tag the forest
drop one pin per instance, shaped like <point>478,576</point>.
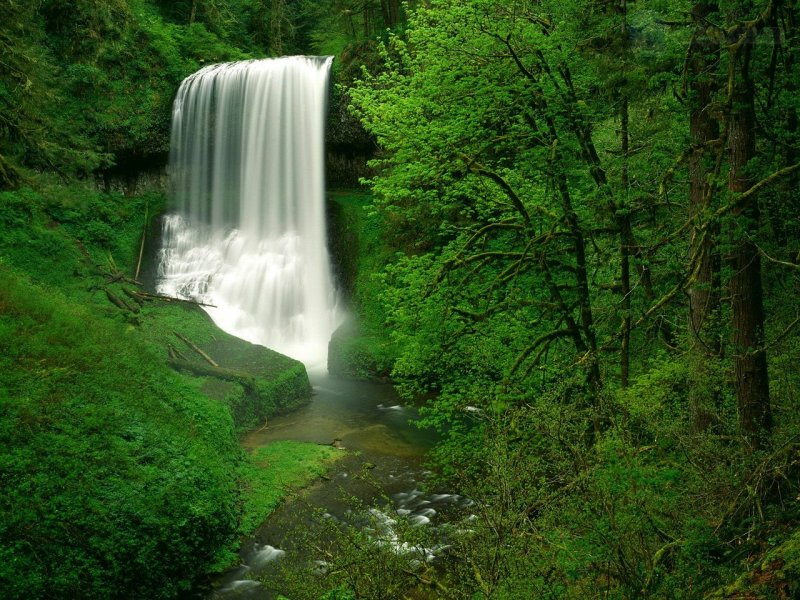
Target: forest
<point>578,249</point>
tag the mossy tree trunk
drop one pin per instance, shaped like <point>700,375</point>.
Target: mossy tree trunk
<point>744,260</point>
<point>703,290</point>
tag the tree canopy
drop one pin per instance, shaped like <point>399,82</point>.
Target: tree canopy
<point>591,199</point>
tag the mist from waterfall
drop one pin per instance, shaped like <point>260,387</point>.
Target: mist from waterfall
<point>248,233</point>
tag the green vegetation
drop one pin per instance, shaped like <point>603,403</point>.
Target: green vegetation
<point>580,244</point>
<point>360,349</point>
<point>108,457</point>
<point>86,86</point>
<point>111,460</point>
<point>275,469</point>
<point>595,211</point>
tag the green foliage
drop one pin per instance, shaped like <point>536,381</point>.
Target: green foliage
<point>503,187</point>
<point>112,461</point>
<point>62,55</point>
<point>354,355</point>
<point>361,348</point>
<point>30,89</point>
<point>533,175</point>
<point>268,382</point>
<point>644,508</point>
<point>87,86</point>
<point>59,234</point>
<point>776,574</point>
<point>272,471</point>
<point>108,458</point>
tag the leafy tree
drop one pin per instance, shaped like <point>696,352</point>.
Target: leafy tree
<point>498,145</point>
<point>567,181</point>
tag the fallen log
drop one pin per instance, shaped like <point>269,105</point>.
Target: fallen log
<point>132,295</point>
<point>245,379</point>
<point>118,276</point>
<point>173,352</point>
<point>148,296</point>
<point>120,303</point>
<point>196,349</point>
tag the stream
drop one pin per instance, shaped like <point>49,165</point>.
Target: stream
<point>371,423</point>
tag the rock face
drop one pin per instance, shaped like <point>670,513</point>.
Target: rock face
<point>355,355</point>
<point>348,146</point>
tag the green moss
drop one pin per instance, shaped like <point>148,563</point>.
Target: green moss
<point>776,575</point>
<point>360,348</point>
<point>278,382</point>
<point>359,356</point>
<point>91,83</point>
<point>274,470</point>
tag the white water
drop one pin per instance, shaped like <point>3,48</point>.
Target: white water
<point>247,180</point>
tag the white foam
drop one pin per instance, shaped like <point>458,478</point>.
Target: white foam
<point>265,554</point>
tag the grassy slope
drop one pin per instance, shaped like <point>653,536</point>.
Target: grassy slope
<point>120,475</point>
<point>108,458</point>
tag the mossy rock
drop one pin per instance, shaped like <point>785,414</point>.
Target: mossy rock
<point>255,382</point>
<point>353,354</point>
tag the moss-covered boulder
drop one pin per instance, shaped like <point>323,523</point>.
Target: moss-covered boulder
<point>352,354</point>
<point>254,382</point>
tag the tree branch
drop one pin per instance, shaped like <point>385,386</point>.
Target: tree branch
<point>479,169</point>
<point>546,338</point>
<point>745,196</point>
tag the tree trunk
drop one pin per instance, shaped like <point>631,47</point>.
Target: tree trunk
<point>703,128</point>
<point>276,28</point>
<point>261,19</point>
<point>386,13</point>
<point>367,11</point>
<point>750,359</point>
<point>392,12</point>
<point>625,239</point>
<point>703,291</point>
<point>581,281</point>
<point>204,370</point>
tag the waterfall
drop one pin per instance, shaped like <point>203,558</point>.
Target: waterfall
<point>247,181</point>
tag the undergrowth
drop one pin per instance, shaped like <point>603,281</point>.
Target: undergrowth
<point>121,477</point>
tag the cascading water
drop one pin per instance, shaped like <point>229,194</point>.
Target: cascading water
<point>247,179</point>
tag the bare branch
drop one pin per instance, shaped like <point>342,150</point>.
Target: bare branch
<point>775,260</point>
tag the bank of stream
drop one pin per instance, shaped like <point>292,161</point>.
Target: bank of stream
<point>383,466</point>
